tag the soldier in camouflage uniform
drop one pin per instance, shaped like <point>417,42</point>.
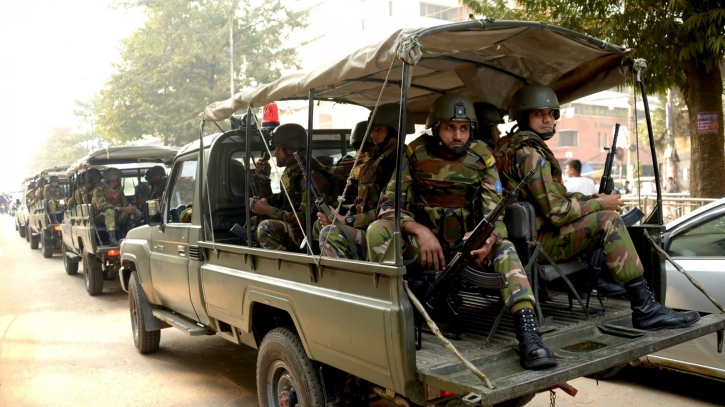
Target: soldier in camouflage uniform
<point>42,182</point>
<point>569,224</point>
<point>449,182</point>
<point>280,230</point>
<point>489,117</point>
<point>53,192</point>
<point>76,199</point>
<point>93,178</point>
<point>111,205</point>
<point>142,195</point>
<point>346,239</point>
<point>156,177</point>
<point>341,170</point>
<point>30,193</point>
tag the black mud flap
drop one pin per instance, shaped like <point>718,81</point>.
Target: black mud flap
<point>579,352</point>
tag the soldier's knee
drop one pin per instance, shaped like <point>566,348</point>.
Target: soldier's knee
<point>380,228</point>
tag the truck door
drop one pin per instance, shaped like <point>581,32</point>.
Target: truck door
<point>170,241</point>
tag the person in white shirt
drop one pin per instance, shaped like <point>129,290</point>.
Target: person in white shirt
<point>577,183</point>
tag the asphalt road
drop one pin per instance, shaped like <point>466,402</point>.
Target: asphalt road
<point>61,347</point>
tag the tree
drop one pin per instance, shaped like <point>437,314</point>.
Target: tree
<point>178,63</point>
<point>683,41</point>
<point>59,147</point>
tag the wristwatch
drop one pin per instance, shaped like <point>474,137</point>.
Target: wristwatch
<point>349,220</point>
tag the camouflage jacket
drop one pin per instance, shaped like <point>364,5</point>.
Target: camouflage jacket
<point>105,197</point>
<point>341,171</point>
<point>374,177</point>
<point>447,196</point>
<point>159,186</point>
<point>293,180</point>
<point>516,155</point>
<point>38,194</point>
<point>30,196</point>
<point>51,192</point>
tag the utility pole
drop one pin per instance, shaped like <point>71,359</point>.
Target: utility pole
<point>671,149</point>
<point>231,48</point>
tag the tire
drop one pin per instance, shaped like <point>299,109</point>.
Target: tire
<point>145,341</point>
<point>71,267</point>
<point>48,246</point>
<point>609,372</point>
<point>517,402</point>
<point>21,230</point>
<point>16,225</point>
<point>281,362</point>
<point>27,232</point>
<point>93,274</point>
<point>34,241</point>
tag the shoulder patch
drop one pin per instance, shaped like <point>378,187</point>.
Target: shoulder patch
<point>498,186</point>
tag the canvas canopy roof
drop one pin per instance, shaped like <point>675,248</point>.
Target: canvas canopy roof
<point>125,154</point>
<point>59,170</point>
<point>487,60</point>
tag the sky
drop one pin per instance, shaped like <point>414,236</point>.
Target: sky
<point>51,53</point>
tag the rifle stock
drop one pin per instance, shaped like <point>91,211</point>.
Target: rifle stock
<point>606,185</point>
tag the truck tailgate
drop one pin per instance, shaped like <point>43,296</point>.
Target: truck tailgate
<point>582,346</point>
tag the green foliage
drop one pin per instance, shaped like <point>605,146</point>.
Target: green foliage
<point>667,33</point>
<point>178,63</point>
<point>59,147</point>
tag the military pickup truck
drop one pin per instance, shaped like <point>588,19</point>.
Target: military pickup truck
<point>42,231</point>
<point>84,237</point>
<point>333,331</point>
<point>21,210</point>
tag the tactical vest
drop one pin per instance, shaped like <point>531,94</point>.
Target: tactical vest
<point>112,196</point>
<point>51,192</point>
<point>448,196</point>
<point>374,177</point>
<point>530,139</point>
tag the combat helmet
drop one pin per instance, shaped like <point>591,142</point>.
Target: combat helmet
<point>487,114</point>
<point>42,182</point>
<point>290,135</point>
<point>112,174</point>
<point>157,169</point>
<point>451,107</point>
<point>144,190</point>
<point>388,115</point>
<point>358,133</point>
<point>533,97</point>
<point>92,173</point>
<point>54,178</point>
<point>31,185</point>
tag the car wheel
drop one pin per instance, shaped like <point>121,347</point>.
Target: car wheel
<point>93,274</point>
<point>285,375</point>
<point>48,245</point>
<point>71,267</point>
<point>21,230</point>
<point>145,341</point>
<point>34,241</point>
<point>27,233</point>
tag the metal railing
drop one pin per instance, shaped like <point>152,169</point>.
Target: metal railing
<point>674,205</point>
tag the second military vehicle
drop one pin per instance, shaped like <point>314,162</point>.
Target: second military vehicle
<point>44,225</point>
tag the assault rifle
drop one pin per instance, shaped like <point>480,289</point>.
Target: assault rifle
<point>241,231</point>
<point>312,186</point>
<point>606,185</point>
<point>459,264</point>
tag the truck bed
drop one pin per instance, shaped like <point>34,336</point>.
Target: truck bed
<point>582,346</point>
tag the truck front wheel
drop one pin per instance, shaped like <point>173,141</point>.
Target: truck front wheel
<point>27,232</point>
<point>48,245</point>
<point>285,375</point>
<point>145,341</point>
<point>71,267</point>
<point>21,230</point>
<point>34,241</point>
<point>93,274</point>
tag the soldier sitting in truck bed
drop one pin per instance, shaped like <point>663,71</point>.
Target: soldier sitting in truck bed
<point>30,193</point>
<point>341,170</point>
<point>93,178</point>
<point>111,205</point>
<point>38,196</point>
<point>53,193</point>
<point>280,230</point>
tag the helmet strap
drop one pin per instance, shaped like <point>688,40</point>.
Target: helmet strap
<point>544,136</point>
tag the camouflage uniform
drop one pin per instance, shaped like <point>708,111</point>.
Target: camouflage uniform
<point>52,195</point>
<point>185,216</point>
<point>341,172</point>
<point>567,223</point>
<point>349,242</point>
<point>159,186</point>
<point>449,197</point>
<point>106,202</point>
<point>30,196</point>
<point>281,230</point>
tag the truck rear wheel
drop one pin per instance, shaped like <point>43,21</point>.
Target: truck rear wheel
<point>21,230</point>
<point>48,245</point>
<point>285,375</point>
<point>71,267</point>
<point>34,241</point>
<point>93,274</point>
<point>27,232</point>
<point>145,341</point>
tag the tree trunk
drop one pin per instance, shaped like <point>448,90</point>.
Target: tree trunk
<point>703,93</point>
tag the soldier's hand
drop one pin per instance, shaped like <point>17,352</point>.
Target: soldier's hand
<point>480,254</point>
<point>263,168</point>
<point>612,202</point>
<point>431,252</point>
<point>261,207</point>
<point>324,220</point>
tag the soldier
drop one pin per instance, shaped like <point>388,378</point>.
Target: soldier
<point>185,216</point>
<point>449,181</point>
<point>111,205</point>
<point>143,194</point>
<point>156,177</point>
<point>571,223</point>
<point>341,170</point>
<point>489,117</point>
<point>347,238</point>
<point>93,178</point>
<point>42,182</point>
<point>53,193</point>
<point>280,230</point>
<point>30,193</point>
<point>76,198</point>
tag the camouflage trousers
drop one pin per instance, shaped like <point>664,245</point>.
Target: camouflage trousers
<point>52,206</point>
<point>111,217</point>
<point>343,242</point>
<point>599,229</point>
<point>280,235</point>
<point>503,256</point>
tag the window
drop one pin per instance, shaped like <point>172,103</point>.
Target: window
<point>182,189</point>
<point>704,239</point>
<point>390,8</point>
<point>599,139</point>
<point>568,138</point>
<point>440,12</point>
<point>606,139</point>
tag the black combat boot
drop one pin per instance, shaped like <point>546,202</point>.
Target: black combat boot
<point>650,315</point>
<point>532,353</point>
<point>606,288</point>
<point>112,238</point>
<point>53,219</point>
